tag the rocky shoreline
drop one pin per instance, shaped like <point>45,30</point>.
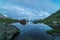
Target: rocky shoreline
<point>8,32</point>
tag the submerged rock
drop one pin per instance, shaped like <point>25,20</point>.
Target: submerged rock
<point>8,32</point>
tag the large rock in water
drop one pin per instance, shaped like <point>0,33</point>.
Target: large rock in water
<point>7,32</point>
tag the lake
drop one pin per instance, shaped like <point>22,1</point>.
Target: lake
<point>33,31</point>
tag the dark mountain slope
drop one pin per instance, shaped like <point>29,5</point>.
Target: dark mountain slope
<point>8,20</point>
<point>53,21</point>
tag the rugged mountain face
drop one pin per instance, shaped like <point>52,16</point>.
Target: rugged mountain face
<point>4,19</point>
<point>7,31</point>
<point>55,16</point>
<point>53,21</point>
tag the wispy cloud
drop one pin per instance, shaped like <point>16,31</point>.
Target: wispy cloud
<point>45,5</point>
<point>33,9</point>
<point>25,12</point>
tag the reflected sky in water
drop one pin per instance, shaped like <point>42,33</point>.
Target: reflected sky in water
<point>35,31</point>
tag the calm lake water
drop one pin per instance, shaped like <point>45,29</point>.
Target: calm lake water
<point>33,31</point>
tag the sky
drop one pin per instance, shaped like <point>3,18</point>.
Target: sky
<point>45,5</point>
<point>30,8</point>
<point>56,1</point>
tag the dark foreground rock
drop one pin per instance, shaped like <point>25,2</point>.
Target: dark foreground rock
<point>8,32</point>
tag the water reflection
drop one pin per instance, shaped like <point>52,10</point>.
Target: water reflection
<point>33,32</point>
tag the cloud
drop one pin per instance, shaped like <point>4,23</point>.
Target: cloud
<point>24,12</point>
<point>45,5</point>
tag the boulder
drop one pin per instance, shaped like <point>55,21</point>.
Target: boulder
<point>8,32</point>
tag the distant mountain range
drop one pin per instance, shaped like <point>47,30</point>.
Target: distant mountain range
<point>53,20</point>
<point>7,20</point>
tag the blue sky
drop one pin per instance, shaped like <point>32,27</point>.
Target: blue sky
<point>30,7</point>
<point>45,5</point>
<point>56,1</point>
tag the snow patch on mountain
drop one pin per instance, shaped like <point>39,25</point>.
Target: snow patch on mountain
<point>5,15</point>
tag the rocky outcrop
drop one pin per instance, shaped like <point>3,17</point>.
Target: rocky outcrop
<point>8,32</point>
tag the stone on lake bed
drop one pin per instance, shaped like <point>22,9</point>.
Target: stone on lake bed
<point>8,32</point>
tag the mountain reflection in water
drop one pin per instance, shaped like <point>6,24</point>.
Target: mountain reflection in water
<point>33,31</point>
